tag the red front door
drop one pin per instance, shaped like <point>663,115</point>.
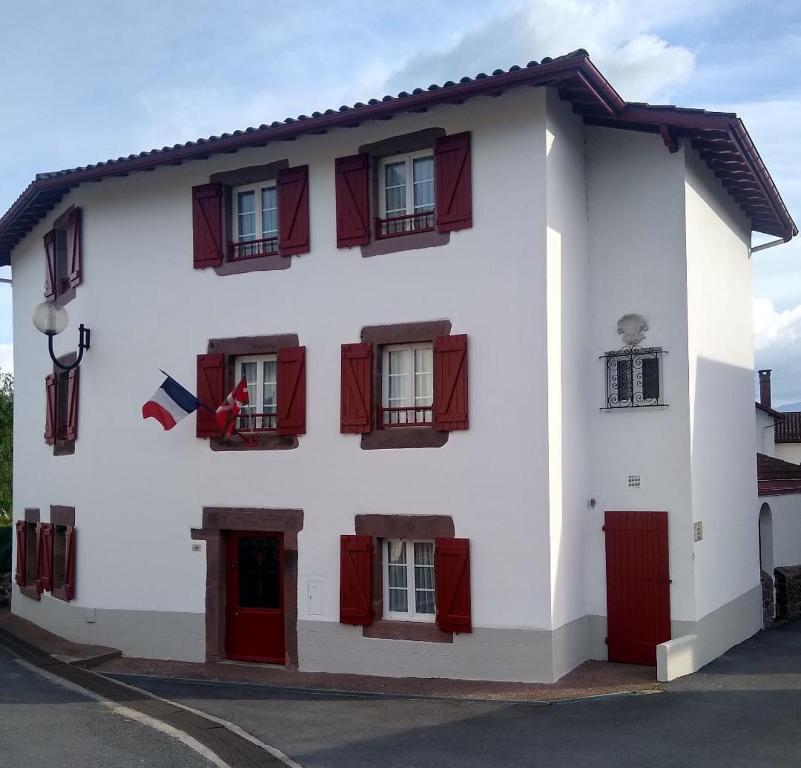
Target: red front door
<point>637,585</point>
<point>255,597</point>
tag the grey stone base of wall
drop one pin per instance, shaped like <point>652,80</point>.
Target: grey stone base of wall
<point>146,634</point>
<point>723,628</point>
<point>516,655</point>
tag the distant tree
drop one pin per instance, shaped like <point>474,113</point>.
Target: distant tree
<point>6,444</point>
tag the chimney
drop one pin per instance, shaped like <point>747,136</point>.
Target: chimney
<point>764,387</point>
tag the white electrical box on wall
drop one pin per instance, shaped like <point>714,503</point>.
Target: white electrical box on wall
<point>314,597</point>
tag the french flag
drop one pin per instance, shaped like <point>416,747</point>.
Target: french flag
<point>170,404</point>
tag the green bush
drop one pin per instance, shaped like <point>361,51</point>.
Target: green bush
<point>5,549</point>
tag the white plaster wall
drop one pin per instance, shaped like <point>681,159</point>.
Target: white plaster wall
<point>569,359</point>
<point>765,430</point>
<point>637,264</point>
<point>786,523</point>
<point>721,390</point>
<point>788,452</point>
<point>138,490</point>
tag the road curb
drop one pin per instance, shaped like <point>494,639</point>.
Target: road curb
<point>223,743</point>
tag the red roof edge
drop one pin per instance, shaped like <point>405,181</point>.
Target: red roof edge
<point>770,411</point>
<point>578,80</point>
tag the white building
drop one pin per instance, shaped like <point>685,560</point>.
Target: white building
<point>430,296</point>
<point>779,483</point>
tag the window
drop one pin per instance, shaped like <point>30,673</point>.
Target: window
<point>255,221</point>
<point>633,378</point>
<point>408,579</point>
<point>61,415</point>
<point>275,370</point>
<point>407,387</point>
<point>244,219</point>
<point>27,553</point>
<point>406,194</point>
<point>61,557</point>
<point>62,246</point>
<point>30,553</point>
<point>404,577</point>
<point>261,411</point>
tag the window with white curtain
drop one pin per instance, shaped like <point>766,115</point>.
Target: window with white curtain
<point>406,189</point>
<point>407,386</point>
<point>260,413</point>
<point>408,579</point>
<point>255,220</point>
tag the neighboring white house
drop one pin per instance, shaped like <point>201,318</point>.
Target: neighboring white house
<point>779,481</point>
<point>497,337</point>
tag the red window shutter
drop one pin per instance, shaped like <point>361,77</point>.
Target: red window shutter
<point>74,247</point>
<point>452,574</point>
<point>50,409</point>
<point>71,421</point>
<point>452,179</point>
<point>356,388</point>
<point>210,391</point>
<point>450,382</point>
<point>293,210</point>
<point>22,549</point>
<point>291,385</point>
<point>44,557</point>
<point>69,564</point>
<point>353,217</point>
<point>207,225</point>
<point>50,265</point>
<point>356,580</point>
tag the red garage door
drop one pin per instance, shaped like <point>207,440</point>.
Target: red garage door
<point>637,585</point>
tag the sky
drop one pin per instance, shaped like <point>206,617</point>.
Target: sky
<point>93,79</point>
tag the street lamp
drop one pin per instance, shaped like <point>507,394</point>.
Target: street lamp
<point>52,320</point>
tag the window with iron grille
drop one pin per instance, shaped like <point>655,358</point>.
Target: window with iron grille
<point>408,575</point>
<point>255,221</point>
<point>634,377</point>
<point>406,194</point>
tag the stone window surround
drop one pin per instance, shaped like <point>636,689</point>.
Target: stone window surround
<point>251,345</point>
<point>32,516</point>
<point>380,527</point>
<point>377,150</point>
<point>218,520</point>
<point>400,333</point>
<point>240,177</point>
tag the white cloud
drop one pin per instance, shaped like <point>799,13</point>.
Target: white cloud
<point>6,358</point>
<point>620,36</point>
<point>772,327</point>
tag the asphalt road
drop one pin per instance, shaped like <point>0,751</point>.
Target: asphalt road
<point>44,725</point>
<point>742,710</point>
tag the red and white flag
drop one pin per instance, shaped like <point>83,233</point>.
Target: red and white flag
<point>226,414</point>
